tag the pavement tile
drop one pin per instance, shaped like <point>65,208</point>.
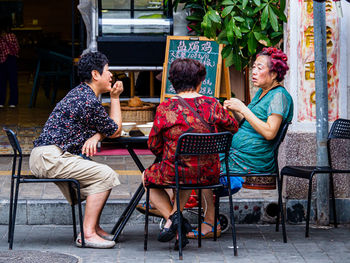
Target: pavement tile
<point>58,239</point>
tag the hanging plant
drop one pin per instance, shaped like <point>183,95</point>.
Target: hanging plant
<point>244,26</point>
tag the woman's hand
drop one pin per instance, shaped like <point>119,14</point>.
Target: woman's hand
<point>267,129</point>
<point>117,89</point>
<point>90,145</point>
<point>235,105</point>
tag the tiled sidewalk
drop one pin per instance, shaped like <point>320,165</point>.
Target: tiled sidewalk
<point>256,244</point>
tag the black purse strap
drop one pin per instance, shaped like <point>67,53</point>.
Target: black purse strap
<point>195,113</point>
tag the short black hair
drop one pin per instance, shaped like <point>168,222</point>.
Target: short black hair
<point>89,62</point>
<point>185,74</point>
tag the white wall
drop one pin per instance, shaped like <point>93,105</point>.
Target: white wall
<point>292,80</point>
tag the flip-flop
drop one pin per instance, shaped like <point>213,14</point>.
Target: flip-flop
<point>210,234</point>
<point>152,211</point>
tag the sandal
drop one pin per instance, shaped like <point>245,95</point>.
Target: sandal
<point>152,211</point>
<point>210,234</point>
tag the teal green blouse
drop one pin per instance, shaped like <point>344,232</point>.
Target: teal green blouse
<point>250,152</point>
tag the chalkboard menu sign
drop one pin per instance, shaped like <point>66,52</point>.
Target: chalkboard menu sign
<point>205,50</point>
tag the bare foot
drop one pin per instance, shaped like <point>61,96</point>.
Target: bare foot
<point>93,237</point>
<point>101,232</point>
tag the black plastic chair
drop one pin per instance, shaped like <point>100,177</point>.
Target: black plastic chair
<point>197,144</point>
<point>19,178</point>
<point>339,130</point>
<point>279,139</point>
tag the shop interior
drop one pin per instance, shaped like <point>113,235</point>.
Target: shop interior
<point>53,33</point>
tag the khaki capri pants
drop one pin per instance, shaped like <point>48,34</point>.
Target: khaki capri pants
<point>51,162</point>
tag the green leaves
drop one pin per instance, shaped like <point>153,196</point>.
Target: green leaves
<point>226,10</point>
<point>244,26</point>
<point>273,19</point>
<point>264,17</point>
<point>252,43</point>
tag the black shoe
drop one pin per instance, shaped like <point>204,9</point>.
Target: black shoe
<point>186,226</point>
<point>167,234</point>
<point>184,242</point>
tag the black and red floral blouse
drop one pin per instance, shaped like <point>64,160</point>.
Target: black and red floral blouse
<point>76,118</point>
<point>172,120</point>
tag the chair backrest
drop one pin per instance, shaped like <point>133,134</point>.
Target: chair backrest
<point>13,141</point>
<point>203,143</point>
<point>280,136</point>
<point>340,129</point>
<point>17,153</point>
<point>278,140</point>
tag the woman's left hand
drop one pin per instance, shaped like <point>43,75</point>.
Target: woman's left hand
<point>234,104</point>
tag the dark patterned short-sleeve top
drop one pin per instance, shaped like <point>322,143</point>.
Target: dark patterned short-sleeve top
<point>76,118</point>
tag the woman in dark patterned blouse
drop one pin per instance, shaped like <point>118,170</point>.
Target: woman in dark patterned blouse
<point>171,121</point>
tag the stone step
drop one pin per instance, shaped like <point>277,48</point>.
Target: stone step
<point>247,211</point>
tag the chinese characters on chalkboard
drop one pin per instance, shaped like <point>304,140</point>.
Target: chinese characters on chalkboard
<point>204,50</point>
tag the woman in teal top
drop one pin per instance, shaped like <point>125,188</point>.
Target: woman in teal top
<point>252,146</point>
<point>251,152</point>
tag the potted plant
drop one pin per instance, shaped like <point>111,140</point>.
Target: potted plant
<point>243,26</point>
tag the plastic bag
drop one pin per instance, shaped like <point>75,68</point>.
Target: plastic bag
<point>236,185</point>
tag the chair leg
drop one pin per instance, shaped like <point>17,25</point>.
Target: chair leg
<point>146,220</point>
<point>14,215</point>
<point>216,216</point>
<point>199,217</point>
<point>10,211</point>
<point>333,200</point>
<point>77,185</point>
<point>74,223</point>
<point>308,207</point>
<point>179,227</point>
<point>281,212</point>
<point>232,219</point>
<point>278,214</point>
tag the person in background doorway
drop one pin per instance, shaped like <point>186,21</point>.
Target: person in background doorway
<point>9,49</point>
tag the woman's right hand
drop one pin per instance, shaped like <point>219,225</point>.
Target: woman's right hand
<point>234,104</point>
<point>117,89</point>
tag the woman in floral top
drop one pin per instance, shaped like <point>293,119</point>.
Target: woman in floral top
<point>75,126</point>
<point>171,121</point>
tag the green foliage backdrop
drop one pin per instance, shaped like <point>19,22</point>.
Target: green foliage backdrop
<point>244,26</point>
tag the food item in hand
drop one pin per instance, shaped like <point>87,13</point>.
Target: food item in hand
<point>135,102</point>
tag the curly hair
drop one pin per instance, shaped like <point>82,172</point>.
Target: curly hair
<point>185,74</point>
<point>89,62</point>
<point>277,61</point>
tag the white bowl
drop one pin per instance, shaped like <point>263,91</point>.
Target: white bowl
<point>145,128</point>
<point>128,126</point>
<point>150,123</point>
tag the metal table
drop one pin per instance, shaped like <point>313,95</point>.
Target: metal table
<point>128,143</point>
